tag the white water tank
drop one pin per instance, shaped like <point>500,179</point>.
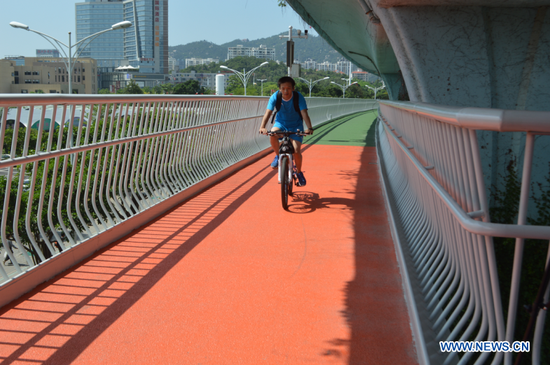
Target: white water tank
<point>220,84</point>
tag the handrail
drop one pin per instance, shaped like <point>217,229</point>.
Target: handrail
<point>466,219</point>
<point>498,120</point>
<point>113,160</point>
<point>432,170</point>
<point>70,150</point>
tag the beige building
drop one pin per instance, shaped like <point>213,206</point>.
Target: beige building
<point>48,75</point>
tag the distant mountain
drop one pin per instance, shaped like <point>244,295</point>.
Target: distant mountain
<point>314,47</point>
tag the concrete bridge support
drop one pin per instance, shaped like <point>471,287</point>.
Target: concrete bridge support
<point>484,53</point>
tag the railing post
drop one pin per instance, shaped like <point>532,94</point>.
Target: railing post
<point>518,252</point>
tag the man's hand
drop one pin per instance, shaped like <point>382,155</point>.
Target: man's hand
<point>309,131</point>
<point>263,131</point>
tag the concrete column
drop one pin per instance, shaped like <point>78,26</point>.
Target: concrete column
<point>481,56</point>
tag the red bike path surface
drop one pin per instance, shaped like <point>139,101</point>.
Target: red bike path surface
<point>229,277</point>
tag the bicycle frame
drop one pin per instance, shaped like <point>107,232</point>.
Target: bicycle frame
<point>286,166</point>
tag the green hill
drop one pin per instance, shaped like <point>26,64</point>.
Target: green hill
<point>200,49</point>
<point>314,47</point>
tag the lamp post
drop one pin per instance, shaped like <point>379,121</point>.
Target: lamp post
<point>348,81</point>
<point>262,83</point>
<point>343,87</point>
<point>311,83</point>
<point>290,47</point>
<point>69,58</point>
<point>375,89</point>
<point>244,76</point>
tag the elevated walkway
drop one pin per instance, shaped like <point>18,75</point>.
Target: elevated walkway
<point>229,277</point>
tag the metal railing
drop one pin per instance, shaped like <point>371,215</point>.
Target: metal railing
<point>432,171</point>
<point>73,167</point>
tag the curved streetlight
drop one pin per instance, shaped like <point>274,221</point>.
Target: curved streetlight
<point>311,83</point>
<point>375,89</point>
<point>244,76</point>
<point>69,58</point>
<point>343,87</point>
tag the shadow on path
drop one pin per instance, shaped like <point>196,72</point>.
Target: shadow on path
<point>375,305</point>
<point>58,320</point>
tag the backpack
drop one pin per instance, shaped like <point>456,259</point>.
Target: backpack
<point>279,101</point>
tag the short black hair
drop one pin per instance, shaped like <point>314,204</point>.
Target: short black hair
<point>284,80</point>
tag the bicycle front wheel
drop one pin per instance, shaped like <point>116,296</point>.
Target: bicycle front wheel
<point>284,181</point>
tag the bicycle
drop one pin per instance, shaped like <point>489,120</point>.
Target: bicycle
<point>287,169</point>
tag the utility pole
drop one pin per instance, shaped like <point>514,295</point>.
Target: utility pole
<point>290,47</point>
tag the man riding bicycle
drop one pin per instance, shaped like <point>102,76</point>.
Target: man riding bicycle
<point>289,117</point>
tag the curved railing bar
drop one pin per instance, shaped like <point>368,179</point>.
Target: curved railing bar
<point>498,120</point>
<point>465,220</point>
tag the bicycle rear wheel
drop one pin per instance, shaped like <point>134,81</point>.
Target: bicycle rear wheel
<point>284,181</point>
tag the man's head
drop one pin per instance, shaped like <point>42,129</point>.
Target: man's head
<point>286,86</point>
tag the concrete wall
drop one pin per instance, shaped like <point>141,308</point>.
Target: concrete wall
<point>492,57</point>
<point>486,53</point>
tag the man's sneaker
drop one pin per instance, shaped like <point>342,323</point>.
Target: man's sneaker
<point>275,162</point>
<point>301,179</point>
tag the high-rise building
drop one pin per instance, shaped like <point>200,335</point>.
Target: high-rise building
<point>146,43</point>
<point>143,45</point>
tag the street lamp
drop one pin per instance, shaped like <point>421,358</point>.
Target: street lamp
<point>344,87</point>
<point>375,89</point>
<point>262,83</point>
<point>70,58</point>
<point>244,76</point>
<point>311,83</point>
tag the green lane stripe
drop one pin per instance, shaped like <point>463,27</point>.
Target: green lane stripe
<point>352,130</point>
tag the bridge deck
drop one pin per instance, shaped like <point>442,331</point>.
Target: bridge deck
<point>231,278</point>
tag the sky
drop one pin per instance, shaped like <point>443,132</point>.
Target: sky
<point>217,21</point>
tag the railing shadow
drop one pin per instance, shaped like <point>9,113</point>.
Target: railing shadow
<point>375,309</point>
<point>61,318</point>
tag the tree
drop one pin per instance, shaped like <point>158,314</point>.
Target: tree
<point>189,87</point>
<point>235,86</point>
<point>157,90</point>
<point>167,88</point>
<point>302,87</point>
<point>273,71</point>
<point>355,92</point>
<point>132,88</point>
<point>104,91</point>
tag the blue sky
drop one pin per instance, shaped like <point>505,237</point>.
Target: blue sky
<point>217,21</point>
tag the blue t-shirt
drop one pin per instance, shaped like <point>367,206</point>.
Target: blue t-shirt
<point>287,116</point>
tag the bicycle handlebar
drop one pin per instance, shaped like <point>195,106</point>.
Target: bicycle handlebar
<point>286,133</point>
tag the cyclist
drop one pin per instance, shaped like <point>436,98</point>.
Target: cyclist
<point>288,119</point>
